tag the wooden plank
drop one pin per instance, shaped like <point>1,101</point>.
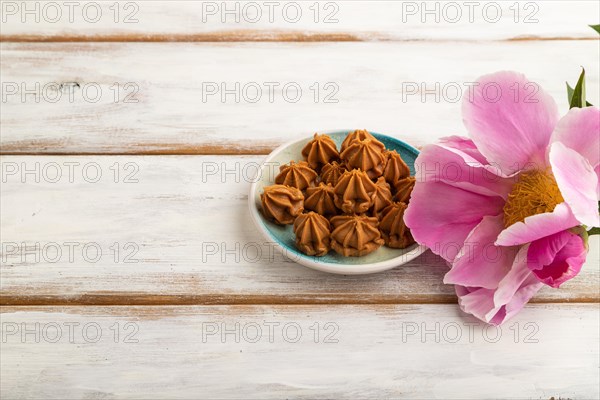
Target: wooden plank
<point>403,351</point>
<point>296,21</point>
<point>176,230</point>
<point>379,86</point>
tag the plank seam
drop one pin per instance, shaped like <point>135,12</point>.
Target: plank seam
<point>262,36</point>
<point>167,300</point>
<point>225,152</point>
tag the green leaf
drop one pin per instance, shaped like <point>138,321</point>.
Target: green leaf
<point>596,28</point>
<point>578,95</point>
<point>570,91</point>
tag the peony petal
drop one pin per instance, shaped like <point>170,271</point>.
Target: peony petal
<point>511,283</point>
<point>480,263</point>
<point>457,162</point>
<point>556,259</point>
<point>580,130</point>
<point>465,145</point>
<point>466,148</point>
<point>578,183</point>
<point>597,171</point>
<point>538,226</point>
<point>513,292</point>
<point>510,119</point>
<point>529,287</point>
<point>441,216</point>
<point>478,302</point>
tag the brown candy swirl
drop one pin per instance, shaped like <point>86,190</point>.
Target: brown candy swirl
<point>320,151</point>
<point>298,175</point>
<point>366,155</point>
<point>355,235</point>
<point>404,189</point>
<point>382,196</point>
<point>354,192</point>
<point>320,199</point>
<point>360,134</point>
<point>282,204</point>
<point>312,234</point>
<point>395,168</point>
<point>394,231</point>
<point>331,173</point>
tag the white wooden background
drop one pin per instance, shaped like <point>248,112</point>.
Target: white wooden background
<point>157,319</point>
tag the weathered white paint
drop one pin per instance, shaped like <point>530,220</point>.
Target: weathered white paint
<point>173,210</point>
<point>374,81</point>
<point>362,20</point>
<point>188,215</point>
<point>555,354</point>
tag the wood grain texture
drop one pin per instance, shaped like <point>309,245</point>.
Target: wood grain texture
<point>181,234</point>
<point>179,254</point>
<point>171,117</point>
<point>403,351</point>
<point>298,21</point>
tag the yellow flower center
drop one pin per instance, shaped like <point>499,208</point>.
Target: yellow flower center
<point>535,192</point>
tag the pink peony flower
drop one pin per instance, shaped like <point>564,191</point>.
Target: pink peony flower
<point>503,207</point>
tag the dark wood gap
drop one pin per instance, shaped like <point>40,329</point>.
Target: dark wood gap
<point>216,299</point>
<point>174,152</point>
<point>222,36</point>
<point>189,300</point>
<point>251,36</point>
<point>144,149</point>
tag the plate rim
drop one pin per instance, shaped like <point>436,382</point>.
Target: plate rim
<point>340,269</point>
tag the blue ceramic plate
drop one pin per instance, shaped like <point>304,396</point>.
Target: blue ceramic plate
<point>283,236</point>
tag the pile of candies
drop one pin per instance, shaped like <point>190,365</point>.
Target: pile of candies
<point>351,201</point>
